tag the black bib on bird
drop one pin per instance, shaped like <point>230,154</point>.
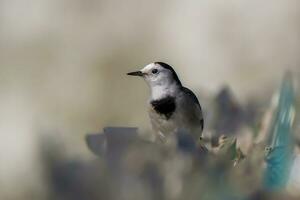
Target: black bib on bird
<point>165,106</point>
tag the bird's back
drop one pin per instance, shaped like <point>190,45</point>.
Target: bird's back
<point>191,110</point>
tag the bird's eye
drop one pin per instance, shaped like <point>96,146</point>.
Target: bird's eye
<point>154,71</point>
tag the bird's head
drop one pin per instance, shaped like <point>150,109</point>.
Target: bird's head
<point>158,74</point>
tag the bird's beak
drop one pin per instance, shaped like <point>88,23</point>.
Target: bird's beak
<point>137,73</point>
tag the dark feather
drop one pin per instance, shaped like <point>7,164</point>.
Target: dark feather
<point>191,94</point>
<point>195,99</point>
<point>165,106</point>
<point>166,66</point>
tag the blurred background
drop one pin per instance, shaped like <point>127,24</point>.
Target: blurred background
<point>63,66</point>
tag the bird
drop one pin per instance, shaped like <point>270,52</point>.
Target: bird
<point>171,107</point>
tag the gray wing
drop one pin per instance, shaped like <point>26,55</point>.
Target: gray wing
<point>192,95</point>
<point>193,99</point>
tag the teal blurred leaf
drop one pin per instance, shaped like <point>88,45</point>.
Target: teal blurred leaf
<point>279,153</point>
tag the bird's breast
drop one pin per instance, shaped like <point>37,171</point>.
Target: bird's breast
<point>161,123</point>
<point>165,106</point>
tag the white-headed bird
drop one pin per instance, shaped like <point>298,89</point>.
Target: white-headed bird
<point>172,107</point>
